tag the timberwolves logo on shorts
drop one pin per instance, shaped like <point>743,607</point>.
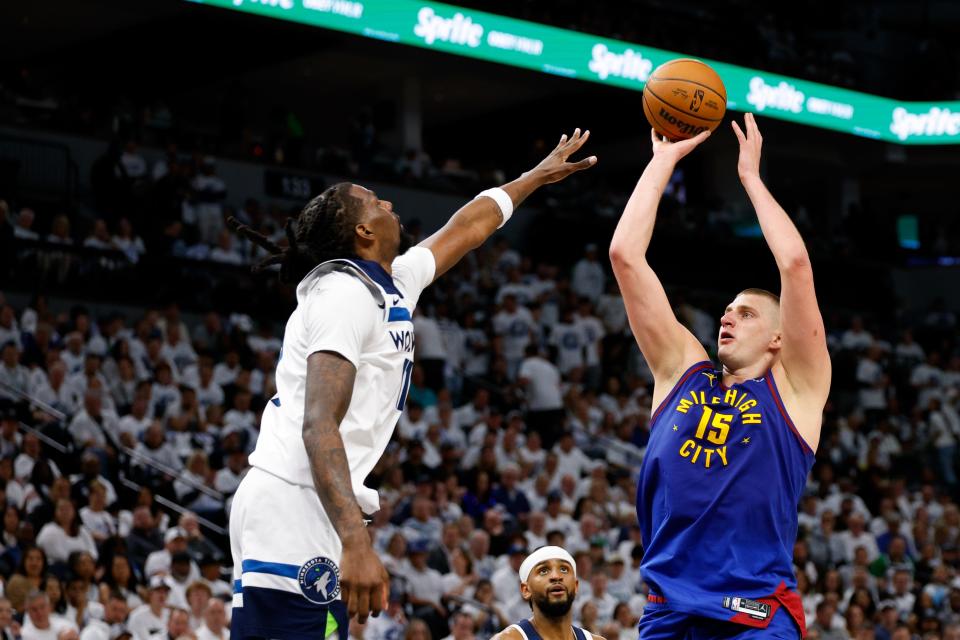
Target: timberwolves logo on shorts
<point>320,580</point>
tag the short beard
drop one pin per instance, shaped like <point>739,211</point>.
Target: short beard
<point>406,241</point>
<point>553,609</point>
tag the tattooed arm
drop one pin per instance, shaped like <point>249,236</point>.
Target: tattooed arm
<point>363,580</point>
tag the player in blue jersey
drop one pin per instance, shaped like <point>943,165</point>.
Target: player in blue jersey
<point>548,582</point>
<point>730,444</point>
<point>303,561</point>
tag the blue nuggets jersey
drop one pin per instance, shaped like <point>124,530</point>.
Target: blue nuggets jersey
<point>717,500</point>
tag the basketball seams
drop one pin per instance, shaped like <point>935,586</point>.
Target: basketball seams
<point>683,111</point>
<point>687,80</point>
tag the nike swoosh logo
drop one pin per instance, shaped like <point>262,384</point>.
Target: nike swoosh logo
<point>396,302</point>
<point>382,305</point>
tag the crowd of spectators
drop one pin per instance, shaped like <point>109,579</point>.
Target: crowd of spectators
<point>526,423</point>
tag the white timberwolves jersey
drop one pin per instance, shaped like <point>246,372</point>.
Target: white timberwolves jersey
<point>353,308</point>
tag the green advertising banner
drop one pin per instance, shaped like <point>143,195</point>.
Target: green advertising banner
<point>519,43</point>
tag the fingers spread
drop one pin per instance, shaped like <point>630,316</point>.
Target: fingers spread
<point>577,141</point>
<point>738,132</point>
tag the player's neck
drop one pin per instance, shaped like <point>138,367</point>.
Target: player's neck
<point>732,376</point>
<point>553,628</point>
<point>373,255</point>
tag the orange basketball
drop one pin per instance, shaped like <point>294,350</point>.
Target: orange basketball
<point>684,97</point>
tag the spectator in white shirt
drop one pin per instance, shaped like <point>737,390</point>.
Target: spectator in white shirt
<point>601,597</point>
<point>225,251</point>
<point>588,276</point>
<point>127,241</point>
<point>165,391</point>
<point>556,519</point>
<point>208,391</point>
<point>12,373</point>
<point>101,524</point>
<point>570,458</point>
<point>134,424</point>
<point>424,585</point>
<point>155,447</point>
<point>210,191</point>
<point>132,162</point>
<point>926,378</point>
<point>514,324</point>
<point>177,349</point>
<point>228,479</point>
<point>23,230</point>
<point>462,626</point>
<point>41,624</point>
<point>515,287</point>
<point>431,350</point>
<point>90,427</point>
<point>198,594</point>
<point>242,418</point>
<point>226,371</point>
<point>908,352</point>
<point>31,453</point>
<point>81,609</point>
<point>214,625</point>
<point>856,338</point>
<point>541,381</point>
<point>114,616</point>
<point>64,534</point>
<point>151,617</point>
<point>856,536</point>
<point>99,237</point>
<point>570,340</point>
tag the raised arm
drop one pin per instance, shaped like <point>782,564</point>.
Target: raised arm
<point>667,346</point>
<point>803,354</point>
<point>474,222</point>
<point>363,579</point>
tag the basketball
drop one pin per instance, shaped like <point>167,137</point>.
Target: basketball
<point>684,97</point>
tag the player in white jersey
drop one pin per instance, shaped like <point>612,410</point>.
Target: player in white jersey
<point>300,551</point>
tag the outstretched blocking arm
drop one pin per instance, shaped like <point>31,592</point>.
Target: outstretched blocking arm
<point>666,344</point>
<point>329,387</point>
<point>804,353</point>
<point>476,221</point>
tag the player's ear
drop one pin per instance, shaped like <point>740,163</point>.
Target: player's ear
<point>364,231</point>
<point>525,591</point>
<point>776,342</point>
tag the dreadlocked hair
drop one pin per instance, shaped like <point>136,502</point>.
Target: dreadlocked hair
<point>322,231</point>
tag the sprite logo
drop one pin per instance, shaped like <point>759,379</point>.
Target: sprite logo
<point>782,97</point>
<point>630,64</point>
<point>459,29</point>
<point>935,122</point>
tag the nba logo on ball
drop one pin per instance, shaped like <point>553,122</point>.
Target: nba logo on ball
<point>319,580</point>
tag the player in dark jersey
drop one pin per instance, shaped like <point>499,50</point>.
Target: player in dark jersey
<point>548,582</point>
<point>730,445</point>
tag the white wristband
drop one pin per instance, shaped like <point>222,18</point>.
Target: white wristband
<point>503,201</point>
